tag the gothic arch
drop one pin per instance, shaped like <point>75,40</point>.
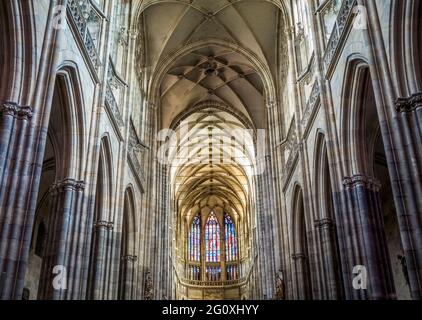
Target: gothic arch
<point>321,180</point>
<point>66,124</point>
<point>105,179</point>
<point>300,256</point>
<point>128,247</point>
<point>352,118</point>
<point>63,151</point>
<point>102,225</point>
<point>68,75</point>
<point>214,104</point>
<point>326,233</point>
<point>260,67</point>
<point>17,28</point>
<point>368,176</point>
<point>129,225</point>
<point>406,46</point>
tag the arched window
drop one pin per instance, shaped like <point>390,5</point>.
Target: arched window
<point>195,239</point>
<point>205,259</point>
<point>212,239</point>
<point>231,239</point>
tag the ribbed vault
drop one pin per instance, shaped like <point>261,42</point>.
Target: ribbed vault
<point>212,162</point>
<point>217,69</point>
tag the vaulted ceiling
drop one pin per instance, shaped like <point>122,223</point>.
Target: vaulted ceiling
<point>216,72</point>
<point>212,71</point>
<point>210,166</point>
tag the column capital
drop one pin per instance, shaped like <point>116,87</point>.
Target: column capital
<point>363,181</point>
<point>102,224</point>
<point>299,256</point>
<point>271,104</point>
<point>12,109</point>
<point>133,33</point>
<point>324,223</point>
<point>129,258</point>
<point>67,184</point>
<point>409,104</point>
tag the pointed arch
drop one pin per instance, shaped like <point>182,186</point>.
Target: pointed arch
<point>126,287</point>
<point>59,187</point>
<point>102,223</point>
<point>194,241</point>
<point>17,27</point>
<point>129,227</point>
<point>357,78</point>
<point>105,179</point>
<point>212,239</point>
<point>230,238</point>
<point>70,83</point>
<point>327,243</point>
<point>406,46</point>
<point>300,254</point>
<point>322,180</point>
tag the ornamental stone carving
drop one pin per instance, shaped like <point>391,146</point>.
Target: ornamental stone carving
<point>409,104</point>
<point>280,287</point>
<point>324,223</point>
<point>67,184</point>
<point>149,290</point>
<point>130,258</point>
<point>362,181</point>
<point>14,110</point>
<point>102,224</point>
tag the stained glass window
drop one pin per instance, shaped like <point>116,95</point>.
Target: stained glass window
<point>204,242</point>
<point>195,239</point>
<point>212,239</point>
<point>213,273</point>
<point>232,272</point>
<point>231,239</point>
<point>194,273</point>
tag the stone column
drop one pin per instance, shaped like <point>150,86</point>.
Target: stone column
<point>300,261</point>
<point>128,262</point>
<point>66,196</point>
<point>271,214</point>
<point>22,144</point>
<point>409,119</point>
<point>98,266</point>
<point>223,251</point>
<point>13,119</point>
<point>368,227</point>
<point>331,264</point>
<point>400,125</point>
<point>14,125</point>
<point>261,237</point>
